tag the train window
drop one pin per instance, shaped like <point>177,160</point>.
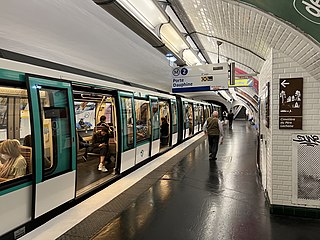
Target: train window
<point>56,129</point>
<point>85,115</point>
<point>15,159</point>
<point>127,117</point>
<point>190,117</point>
<point>143,128</point>
<point>174,120</point>
<point>196,114</point>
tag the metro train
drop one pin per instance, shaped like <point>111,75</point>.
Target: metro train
<point>53,108</point>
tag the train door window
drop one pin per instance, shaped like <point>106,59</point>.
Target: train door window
<point>15,129</point>
<point>143,126</point>
<point>106,108</point>
<point>127,117</point>
<point>155,119</point>
<point>174,120</point>
<point>190,116</point>
<point>196,115</point>
<point>202,118</point>
<point>186,115</point>
<point>56,130</point>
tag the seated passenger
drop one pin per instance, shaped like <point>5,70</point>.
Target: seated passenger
<point>27,141</point>
<point>100,145</point>
<point>13,164</point>
<point>164,131</point>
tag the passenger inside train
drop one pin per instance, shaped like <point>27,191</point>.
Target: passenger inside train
<point>102,122</point>
<point>164,131</point>
<point>13,164</point>
<point>100,145</point>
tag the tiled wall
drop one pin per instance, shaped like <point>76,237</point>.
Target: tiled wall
<point>285,67</point>
<point>265,143</point>
<point>279,158</point>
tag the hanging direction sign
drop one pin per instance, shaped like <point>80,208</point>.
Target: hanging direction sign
<point>290,103</point>
<point>200,78</point>
<point>247,82</point>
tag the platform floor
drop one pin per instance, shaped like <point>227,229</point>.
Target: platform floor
<point>195,198</point>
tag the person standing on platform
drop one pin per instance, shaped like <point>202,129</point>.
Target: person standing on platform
<point>214,130</point>
<point>230,118</point>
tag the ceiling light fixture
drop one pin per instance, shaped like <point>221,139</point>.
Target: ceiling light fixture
<point>157,21</point>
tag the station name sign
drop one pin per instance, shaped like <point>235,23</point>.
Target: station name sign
<point>207,77</point>
<point>290,103</point>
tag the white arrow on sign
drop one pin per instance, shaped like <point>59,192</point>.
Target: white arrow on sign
<point>284,83</point>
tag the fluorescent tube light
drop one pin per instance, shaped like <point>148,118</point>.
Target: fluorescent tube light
<point>190,57</point>
<point>146,12</point>
<point>172,38</point>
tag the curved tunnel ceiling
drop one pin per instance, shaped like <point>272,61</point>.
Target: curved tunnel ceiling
<point>249,29</point>
<point>248,34</point>
<point>82,35</point>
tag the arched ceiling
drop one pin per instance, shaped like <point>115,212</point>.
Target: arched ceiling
<point>82,35</point>
<point>249,33</point>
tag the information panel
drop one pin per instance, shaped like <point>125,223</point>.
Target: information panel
<point>290,103</point>
<point>200,78</point>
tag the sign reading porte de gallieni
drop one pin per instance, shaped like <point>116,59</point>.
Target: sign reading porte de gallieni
<point>200,78</point>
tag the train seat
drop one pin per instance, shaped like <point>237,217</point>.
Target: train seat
<point>26,152</point>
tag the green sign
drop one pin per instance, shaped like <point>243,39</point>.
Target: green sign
<point>304,14</point>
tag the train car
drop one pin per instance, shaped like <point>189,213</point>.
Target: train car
<point>193,115</point>
<point>49,111</point>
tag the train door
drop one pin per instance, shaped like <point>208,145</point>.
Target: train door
<point>54,133</point>
<point>143,129</point>
<point>15,188</point>
<point>90,108</point>
<point>155,123</point>
<point>128,133</point>
<point>174,122</point>
<point>165,133</point>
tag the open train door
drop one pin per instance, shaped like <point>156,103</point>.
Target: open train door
<point>54,140</point>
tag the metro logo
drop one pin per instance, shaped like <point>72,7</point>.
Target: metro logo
<point>309,9</point>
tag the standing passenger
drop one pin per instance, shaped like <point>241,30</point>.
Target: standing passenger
<point>214,130</point>
<point>102,122</point>
<point>230,118</point>
<point>164,131</point>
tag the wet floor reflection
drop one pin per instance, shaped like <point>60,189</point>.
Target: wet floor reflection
<point>208,200</point>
